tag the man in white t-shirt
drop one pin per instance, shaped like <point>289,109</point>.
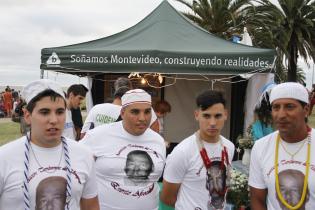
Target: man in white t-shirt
<point>129,157</point>
<point>282,168</point>
<point>75,95</point>
<point>197,172</point>
<point>104,113</point>
<point>44,170</point>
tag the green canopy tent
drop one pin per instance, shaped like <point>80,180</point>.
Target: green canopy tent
<point>164,42</point>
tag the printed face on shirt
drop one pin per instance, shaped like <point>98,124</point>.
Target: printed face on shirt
<point>51,194</point>
<point>47,121</point>
<point>211,121</point>
<point>291,188</point>
<point>289,116</point>
<point>215,184</point>
<point>136,118</point>
<point>75,101</point>
<point>138,167</point>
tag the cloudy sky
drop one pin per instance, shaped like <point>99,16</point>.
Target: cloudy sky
<point>27,26</point>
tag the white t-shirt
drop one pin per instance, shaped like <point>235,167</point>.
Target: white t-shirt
<point>127,183</point>
<point>69,130</point>
<point>44,167</point>
<point>262,170</point>
<point>154,117</point>
<point>101,114</point>
<point>184,166</point>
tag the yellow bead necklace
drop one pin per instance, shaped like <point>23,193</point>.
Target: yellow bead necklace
<point>283,201</point>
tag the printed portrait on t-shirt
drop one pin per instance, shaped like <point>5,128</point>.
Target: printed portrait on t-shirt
<point>291,187</point>
<point>51,193</point>
<point>138,168</point>
<point>216,185</point>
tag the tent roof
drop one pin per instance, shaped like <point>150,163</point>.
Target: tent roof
<point>166,42</point>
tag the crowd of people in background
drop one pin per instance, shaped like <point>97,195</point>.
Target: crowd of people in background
<point>9,99</point>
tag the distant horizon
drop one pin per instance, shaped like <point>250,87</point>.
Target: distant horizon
<point>65,80</point>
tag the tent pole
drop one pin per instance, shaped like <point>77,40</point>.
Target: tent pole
<point>313,74</point>
<point>42,74</point>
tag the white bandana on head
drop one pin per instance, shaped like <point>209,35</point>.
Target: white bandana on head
<point>135,96</point>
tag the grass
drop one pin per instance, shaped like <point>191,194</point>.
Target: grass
<point>9,131</point>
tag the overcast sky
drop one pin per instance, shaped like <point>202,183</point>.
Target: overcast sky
<point>27,26</point>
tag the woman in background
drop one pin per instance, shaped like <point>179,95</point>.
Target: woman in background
<point>262,125</point>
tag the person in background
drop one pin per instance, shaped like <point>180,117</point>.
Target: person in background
<point>45,153</point>
<point>104,113</point>
<point>24,126</point>
<point>262,125</point>
<point>77,118</point>
<point>281,174</point>
<point>122,82</point>
<point>8,101</point>
<point>75,95</point>
<point>19,116</point>
<point>161,109</point>
<point>15,94</point>
<point>312,99</point>
<point>127,180</point>
<point>197,172</point>
<point>77,121</point>
<point>2,109</point>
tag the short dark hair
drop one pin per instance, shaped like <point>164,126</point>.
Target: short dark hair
<point>122,82</point>
<point>77,89</point>
<point>162,107</point>
<point>208,98</point>
<point>121,91</point>
<point>48,92</point>
<point>263,111</point>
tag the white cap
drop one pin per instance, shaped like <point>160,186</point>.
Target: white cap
<point>291,90</point>
<point>135,96</point>
<point>34,88</point>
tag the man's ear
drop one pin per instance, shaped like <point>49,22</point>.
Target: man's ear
<point>197,114</point>
<point>27,116</point>
<point>307,110</point>
<point>70,95</point>
<point>225,114</point>
<point>122,111</point>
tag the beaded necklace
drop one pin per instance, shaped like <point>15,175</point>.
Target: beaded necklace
<point>283,201</point>
<point>208,163</point>
<point>27,149</point>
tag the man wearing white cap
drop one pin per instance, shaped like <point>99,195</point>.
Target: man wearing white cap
<point>44,154</point>
<point>282,169</point>
<point>129,156</point>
